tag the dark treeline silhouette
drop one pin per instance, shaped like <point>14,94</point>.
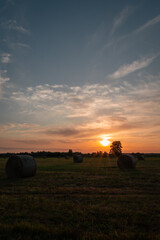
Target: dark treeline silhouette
<point>48,154</point>
<point>70,153</point>
<point>42,154</point>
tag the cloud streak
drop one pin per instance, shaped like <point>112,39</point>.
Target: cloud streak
<point>120,18</point>
<point>130,68</point>
<point>149,23</point>
<point>22,45</point>
<point>13,25</point>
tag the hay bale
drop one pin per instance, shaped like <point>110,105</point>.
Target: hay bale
<point>126,161</point>
<point>78,158</point>
<point>140,156</point>
<point>19,166</point>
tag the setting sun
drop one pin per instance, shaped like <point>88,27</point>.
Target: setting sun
<point>105,142</point>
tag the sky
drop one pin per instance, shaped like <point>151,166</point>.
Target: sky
<point>73,72</point>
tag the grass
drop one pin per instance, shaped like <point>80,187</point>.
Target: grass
<point>89,200</point>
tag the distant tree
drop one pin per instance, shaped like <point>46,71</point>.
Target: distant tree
<point>116,148</point>
<point>99,154</point>
<point>70,153</point>
<point>105,154</point>
<point>93,154</point>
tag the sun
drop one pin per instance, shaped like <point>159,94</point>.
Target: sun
<point>105,142</point>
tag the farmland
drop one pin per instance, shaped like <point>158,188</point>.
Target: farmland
<point>89,200</point>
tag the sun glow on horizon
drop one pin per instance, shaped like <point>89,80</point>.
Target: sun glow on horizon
<point>105,142</point>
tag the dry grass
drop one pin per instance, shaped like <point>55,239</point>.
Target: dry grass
<point>90,200</point>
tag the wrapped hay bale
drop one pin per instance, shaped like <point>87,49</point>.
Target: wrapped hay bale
<point>126,161</point>
<point>78,158</point>
<point>19,166</point>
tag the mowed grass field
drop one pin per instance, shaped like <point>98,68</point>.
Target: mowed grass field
<point>89,200</point>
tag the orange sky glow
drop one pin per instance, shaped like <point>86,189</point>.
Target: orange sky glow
<point>87,72</point>
<point>20,138</point>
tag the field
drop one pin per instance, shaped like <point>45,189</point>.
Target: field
<point>89,200</point>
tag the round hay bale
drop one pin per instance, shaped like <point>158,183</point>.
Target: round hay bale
<point>126,161</point>
<point>78,158</point>
<point>140,156</point>
<point>19,166</point>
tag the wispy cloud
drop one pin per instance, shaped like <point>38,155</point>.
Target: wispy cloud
<point>75,115</point>
<point>149,23</point>
<point>15,45</point>
<point>121,18</point>
<point>3,80</point>
<point>18,127</point>
<point>83,104</point>
<point>130,68</point>
<point>13,25</point>
<point>22,45</point>
<point>5,58</point>
<point>63,132</point>
<point>83,132</point>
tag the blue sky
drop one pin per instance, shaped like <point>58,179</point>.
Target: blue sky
<point>73,72</point>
